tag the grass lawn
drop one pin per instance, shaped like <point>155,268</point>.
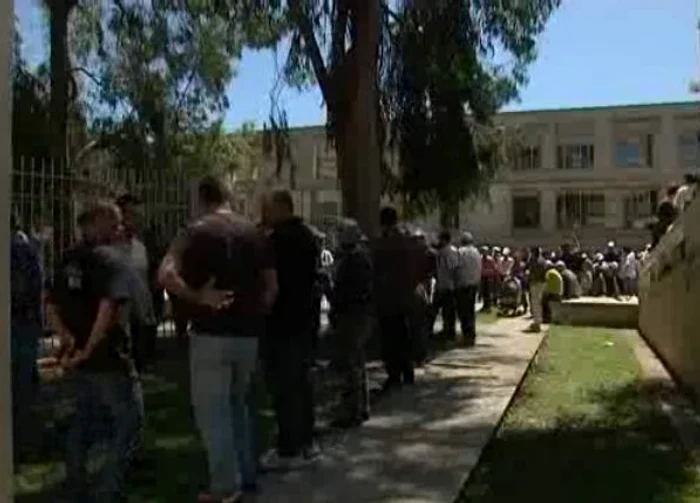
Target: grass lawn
<point>174,467</point>
<point>584,428</point>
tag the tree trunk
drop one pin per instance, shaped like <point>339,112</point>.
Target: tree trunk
<point>62,214</point>
<point>358,149</point>
<point>449,216</point>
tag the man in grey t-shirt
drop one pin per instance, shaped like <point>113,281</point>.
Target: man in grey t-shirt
<point>144,326</point>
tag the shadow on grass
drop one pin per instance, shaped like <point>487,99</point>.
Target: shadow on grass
<point>628,452</point>
<point>173,465</point>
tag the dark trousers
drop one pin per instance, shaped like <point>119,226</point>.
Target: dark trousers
<point>288,368</point>
<point>466,305</point>
<point>397,347</point>
<point>487,292</point>
<point>420,332</point>
<point>143,344</point>
<point>444,301</point>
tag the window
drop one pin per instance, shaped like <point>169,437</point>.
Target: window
<point>689,150</point>
<point>575,156</point>
<point>580,209</point>
<point>526,212</point>
<point>326,164</point>
<point>528,159</point>
<point>329,209</point>
<point>635,152</point>
<point>640,207</point>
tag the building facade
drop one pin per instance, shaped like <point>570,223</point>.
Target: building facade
<point>593,173</point>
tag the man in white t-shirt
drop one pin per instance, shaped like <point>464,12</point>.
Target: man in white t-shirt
<point>468,279</point>
<point>628,272</point>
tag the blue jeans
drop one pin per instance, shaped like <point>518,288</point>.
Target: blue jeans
<point>222,371</point>
<point>25,351</point>
<point>108,404</point>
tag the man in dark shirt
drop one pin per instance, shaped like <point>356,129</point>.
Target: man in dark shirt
<point>352,306</point>
<point>288,356</point>
<point>666,213</point>
<point>25,305</point>
<point>222,268</point>
<point>89,309</point>
<point>394,293</point>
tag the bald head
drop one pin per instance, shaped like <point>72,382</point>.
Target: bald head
<point>102,223</point>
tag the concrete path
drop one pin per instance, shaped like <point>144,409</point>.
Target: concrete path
<point>421,443</point>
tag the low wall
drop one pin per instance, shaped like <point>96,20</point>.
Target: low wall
<point>669,299</point>
<point>596,312</point>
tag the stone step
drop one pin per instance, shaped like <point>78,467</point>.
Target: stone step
<point>597,312</point>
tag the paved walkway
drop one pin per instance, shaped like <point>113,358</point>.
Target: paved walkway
<point>421,443</point>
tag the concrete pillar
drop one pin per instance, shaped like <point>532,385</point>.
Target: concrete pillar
<point>604,144</point>
<point>6,471</point>
<point>614,209</point>
<point>548,209</point>
<point>549,147</point>
<point>666,146</point>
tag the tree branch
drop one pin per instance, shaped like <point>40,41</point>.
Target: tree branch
<point>88,74</point>
<point>312,49</point>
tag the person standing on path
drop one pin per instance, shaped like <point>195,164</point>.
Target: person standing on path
<point>89,304</point>
<point>445,274</point>
<point>354,281</point>
<point>536,269</point>
<point>222,267</point>
<point>394,293</point>
<point>468,279</point>
<point>289,346</point>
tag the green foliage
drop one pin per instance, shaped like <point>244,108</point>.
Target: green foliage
<point>30,106</point>
<point>446,68</point>
<point>155,71</point>
<point>444,84</point>
<point>218,152</point>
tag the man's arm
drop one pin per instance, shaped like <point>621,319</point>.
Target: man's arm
<point>268,273</point>
<point>170,277</point>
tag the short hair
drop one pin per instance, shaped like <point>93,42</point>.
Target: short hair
<point>212,190</point>
<point>445,236</point>
<point>283,198</point>
<point>388,216</point>
<point>690,178</point>
<point>97,210</point>
<point>671,190</point>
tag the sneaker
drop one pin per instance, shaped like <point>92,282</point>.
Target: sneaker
<point>534,328</point>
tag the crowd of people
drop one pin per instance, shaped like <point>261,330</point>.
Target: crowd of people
<point>249,295</point>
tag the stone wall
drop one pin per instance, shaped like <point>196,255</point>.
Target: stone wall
<point>669,311</point>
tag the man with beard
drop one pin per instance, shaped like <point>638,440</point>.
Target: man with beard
<point>89,303</point>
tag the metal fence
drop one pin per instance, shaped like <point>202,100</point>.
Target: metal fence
<point>47,199</point>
